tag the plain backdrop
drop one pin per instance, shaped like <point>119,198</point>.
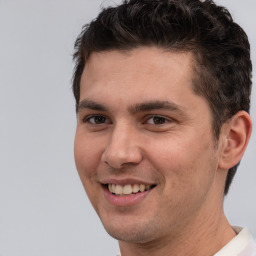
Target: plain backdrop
<point>43,208</point>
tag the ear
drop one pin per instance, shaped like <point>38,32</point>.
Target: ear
<point>235,135</point>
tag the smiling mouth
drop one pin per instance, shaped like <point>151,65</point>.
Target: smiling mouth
<point>128,189</point>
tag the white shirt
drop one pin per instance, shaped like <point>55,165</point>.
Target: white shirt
<point>241,245</point>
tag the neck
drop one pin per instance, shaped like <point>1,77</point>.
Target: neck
<point>203,237</point>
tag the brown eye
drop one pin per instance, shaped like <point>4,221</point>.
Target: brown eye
<point>96,119</point>
<point>157,120</point>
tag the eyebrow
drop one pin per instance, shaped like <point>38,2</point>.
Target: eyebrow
<point>140,107</point>
<point>90,104</point>
<point>154,105</point>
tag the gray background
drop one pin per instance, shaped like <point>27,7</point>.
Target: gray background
<point>43,208</point>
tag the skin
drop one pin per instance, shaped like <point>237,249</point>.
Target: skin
<point>168,143</point>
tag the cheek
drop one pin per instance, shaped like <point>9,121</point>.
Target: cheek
<point>184,164</point>
<point>188,175</point>
<point>87,158</point>
<point>87,155</point>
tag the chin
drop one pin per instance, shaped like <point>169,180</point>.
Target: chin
<point>136,232</point>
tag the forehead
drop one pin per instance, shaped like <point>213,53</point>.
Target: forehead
<point>146,58</point>
<point>149,70</point>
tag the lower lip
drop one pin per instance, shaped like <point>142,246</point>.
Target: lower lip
<point>126,200</point>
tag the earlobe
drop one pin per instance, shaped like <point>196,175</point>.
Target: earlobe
<point>235,137</point>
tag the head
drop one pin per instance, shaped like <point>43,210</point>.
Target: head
<point>162,91</point>
<point>220,49</point>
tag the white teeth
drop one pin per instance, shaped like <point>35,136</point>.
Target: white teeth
<point>135,188</point>
<point>142,187</point>
<point>127,189</point>
<point>118,190</point>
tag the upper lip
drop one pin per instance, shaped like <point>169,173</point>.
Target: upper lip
<point>126,181</point>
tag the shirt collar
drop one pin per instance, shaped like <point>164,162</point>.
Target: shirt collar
<point>237,244</point>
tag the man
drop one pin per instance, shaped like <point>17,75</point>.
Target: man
<point>162,93</point>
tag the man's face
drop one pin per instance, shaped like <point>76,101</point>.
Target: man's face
<point>144,147</point>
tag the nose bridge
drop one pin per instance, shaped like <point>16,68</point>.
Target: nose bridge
<point>122,147</point>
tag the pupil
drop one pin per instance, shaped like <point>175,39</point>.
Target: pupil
<point>159,120</point>
<point>99,119</point>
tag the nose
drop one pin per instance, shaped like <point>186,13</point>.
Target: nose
<point>122,148</point>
